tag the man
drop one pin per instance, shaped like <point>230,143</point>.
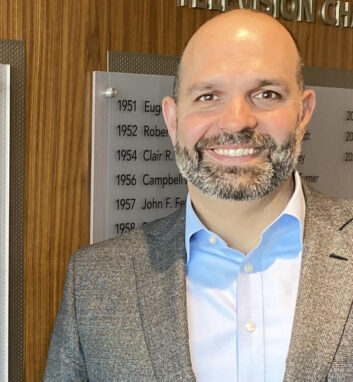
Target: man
<point>253,282</point>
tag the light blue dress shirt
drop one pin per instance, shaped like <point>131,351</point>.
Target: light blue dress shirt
<point>241,308</point>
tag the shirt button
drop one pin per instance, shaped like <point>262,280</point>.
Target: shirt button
<point>250,327</point>
<point>248,268</point>
<point>212,240</point>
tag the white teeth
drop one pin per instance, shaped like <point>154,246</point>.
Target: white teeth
<point>235,152</point>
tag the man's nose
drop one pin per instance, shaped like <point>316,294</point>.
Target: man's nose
<point>237,114</point>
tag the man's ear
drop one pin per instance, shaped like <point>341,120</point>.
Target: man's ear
<point>169,114</point>
<point>307,109</point>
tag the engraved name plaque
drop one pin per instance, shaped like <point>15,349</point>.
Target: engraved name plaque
<point>134,177</point>
<point>326,161</point>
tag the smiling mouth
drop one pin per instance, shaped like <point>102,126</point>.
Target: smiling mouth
<point>236,152</point>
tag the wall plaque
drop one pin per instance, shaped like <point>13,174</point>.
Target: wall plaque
<point>134,177</point>
<point>326,161</point>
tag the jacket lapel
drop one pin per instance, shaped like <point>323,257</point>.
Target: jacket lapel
<point>160,279</point>
<point>325,288</point>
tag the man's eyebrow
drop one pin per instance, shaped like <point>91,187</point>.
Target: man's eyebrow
<point>212,85</point>
<point>201,87</point>
<point>282,84</point>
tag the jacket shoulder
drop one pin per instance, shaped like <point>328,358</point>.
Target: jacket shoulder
<point>332,216</point>
<point>111,249</point>
<point>326,202</point>
<point>136,242</point>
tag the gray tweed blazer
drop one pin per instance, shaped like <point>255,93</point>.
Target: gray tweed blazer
<point>123,314</point>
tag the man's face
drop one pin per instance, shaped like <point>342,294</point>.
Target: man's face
<point>239,122</point>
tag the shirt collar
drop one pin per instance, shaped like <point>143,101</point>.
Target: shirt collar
<point>296,204</point>
<point>295,207</point>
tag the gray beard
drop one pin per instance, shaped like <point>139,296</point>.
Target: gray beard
<point>239,182</point>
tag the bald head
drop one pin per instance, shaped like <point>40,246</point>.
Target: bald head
<point>235,29</point>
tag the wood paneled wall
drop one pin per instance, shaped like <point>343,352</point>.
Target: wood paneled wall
<point>65,41</point>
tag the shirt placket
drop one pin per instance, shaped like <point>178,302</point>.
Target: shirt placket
<point>250,323</point>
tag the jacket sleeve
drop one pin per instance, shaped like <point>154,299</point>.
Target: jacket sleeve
<point>65,359</point>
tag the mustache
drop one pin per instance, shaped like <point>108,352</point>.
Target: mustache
<point>245,136</point>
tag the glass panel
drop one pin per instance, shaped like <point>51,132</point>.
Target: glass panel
<point>326,161</point>
<point>134,172</point>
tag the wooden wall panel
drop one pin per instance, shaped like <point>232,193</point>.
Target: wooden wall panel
<point>65,41</point>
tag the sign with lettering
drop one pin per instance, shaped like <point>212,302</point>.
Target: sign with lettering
<point>326,161</point>
<point>134,177</point>
<point>332,12</point>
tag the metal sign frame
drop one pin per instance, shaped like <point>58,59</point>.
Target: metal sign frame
<point>12,52</point>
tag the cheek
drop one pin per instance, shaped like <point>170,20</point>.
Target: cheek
<point>192,128</point>
<point>280,125</point>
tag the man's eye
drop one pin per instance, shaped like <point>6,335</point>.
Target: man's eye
<point>267,95</point>
<point>207,98</point>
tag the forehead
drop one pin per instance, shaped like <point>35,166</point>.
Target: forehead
<point>246,48</point>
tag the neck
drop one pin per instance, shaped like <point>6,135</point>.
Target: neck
<point>240,223</point>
